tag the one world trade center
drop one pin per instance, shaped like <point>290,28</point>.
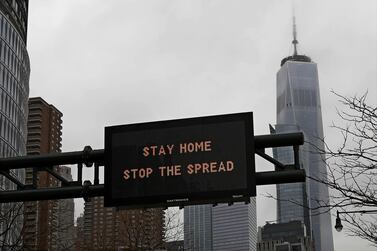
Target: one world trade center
<point>299,109</point>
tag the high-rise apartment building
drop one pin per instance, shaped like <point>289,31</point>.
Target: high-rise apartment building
<point>79,233</point>
<point>222,227</point>
<point>44,128</point>
<point>66,216</point>
<point>14,93</point>
<point>44,136</point>
<point>112,229</point>
<point>101,226</point>
<point>299,108</point>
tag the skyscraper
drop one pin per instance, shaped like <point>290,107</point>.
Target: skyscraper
<point>66,218</point>
<point>14,77</point>
<point>79,233</point>
<point>220,228</point>
<point>14,93</point>
<point>107,228</point>
<point>298,192</point>
<point>198,228</point>
<point>44,136</point>
<point>235,227</point>
<point>299,108</point>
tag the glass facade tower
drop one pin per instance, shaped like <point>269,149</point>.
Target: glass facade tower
<point>14,78</point>
<point>235,227</point>
<point>221,228</point>
<point>198,228</point>
<point>14,92</point>
<point>299,108</point>
<point>293,192</point>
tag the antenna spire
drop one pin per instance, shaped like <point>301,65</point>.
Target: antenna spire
<point>295,57</point>
<point>294,41</point>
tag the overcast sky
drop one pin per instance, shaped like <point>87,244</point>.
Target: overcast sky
<point>117,62</point>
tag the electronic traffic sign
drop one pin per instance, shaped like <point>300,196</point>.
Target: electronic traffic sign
<point>180,162</point>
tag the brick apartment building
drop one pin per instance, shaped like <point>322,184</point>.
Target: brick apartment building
<point>102,228</point>
<point>41,219</point>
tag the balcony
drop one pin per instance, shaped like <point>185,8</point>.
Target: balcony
<point>33,152</point>
<point>35,120</point>
<point>34,132</point>
<point>31,127</point>
<point>34,139</point>
<point>33,145</point>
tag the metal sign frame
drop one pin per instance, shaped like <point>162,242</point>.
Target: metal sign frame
<point>172,129</point>
<point>86,189</point>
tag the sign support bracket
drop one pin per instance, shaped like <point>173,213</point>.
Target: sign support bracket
<point>87,189</point>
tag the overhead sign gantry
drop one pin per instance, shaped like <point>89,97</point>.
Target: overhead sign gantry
<point>167,163</point>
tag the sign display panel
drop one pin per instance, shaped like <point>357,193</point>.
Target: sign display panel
<point>180,162</point>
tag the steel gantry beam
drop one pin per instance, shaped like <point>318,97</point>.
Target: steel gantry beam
<point>89,157</point>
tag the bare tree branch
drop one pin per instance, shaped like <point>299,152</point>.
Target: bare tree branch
<point>351,167</point>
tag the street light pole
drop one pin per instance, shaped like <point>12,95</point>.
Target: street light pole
<point>338,222</point>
